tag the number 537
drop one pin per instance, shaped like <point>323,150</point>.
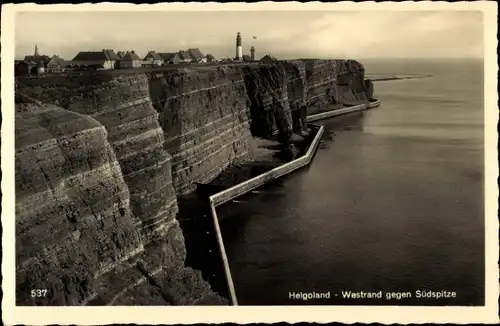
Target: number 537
<point>37,293</point>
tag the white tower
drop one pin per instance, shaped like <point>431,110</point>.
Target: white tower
<point>239,47</point>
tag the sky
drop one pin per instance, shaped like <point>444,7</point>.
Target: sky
<point>285,35</point>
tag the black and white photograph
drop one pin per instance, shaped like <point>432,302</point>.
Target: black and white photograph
<point>334,156</point>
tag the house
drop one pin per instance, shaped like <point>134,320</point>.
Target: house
<point>170,58</point>
<point>130,60</point>
<point>105,59</point>
<point>121,54</point>
<point>196,55</point>
<point>185,57</point>
<point>25,68</point>
<point>153,59</point>
<point>247,58</point>
<point>210,58</point>
<point>56,64</point>
<point>38,59</point>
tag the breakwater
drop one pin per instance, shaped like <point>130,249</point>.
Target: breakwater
<point>102,159</point>
<point>399,77</point>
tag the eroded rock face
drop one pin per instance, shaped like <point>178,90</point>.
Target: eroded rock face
<point>126,151</point>
<point>282,94</point>
<point>297,94</point>
<point>267,89</point>
<point>73,220</point>
<point>123,107</point>
<point>101,159</point>
<point>205,122</point>
<point>369,88</point>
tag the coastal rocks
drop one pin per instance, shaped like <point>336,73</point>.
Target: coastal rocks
<point>322,92</point>
<point>76,234</point>
<point>334,83</point>
<point>297,86</point>
<point>267,90</point>
<point>155,277</point>
<point>205,122</point>
<point>282,94</point>
<point>351,77</point>
<point>290,152</point>
<point>122,105</point>
<point>368,88</point>
<point>73,219</point>
<point>101,159</point>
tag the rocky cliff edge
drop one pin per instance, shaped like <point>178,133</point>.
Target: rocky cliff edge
<point>101,159</point>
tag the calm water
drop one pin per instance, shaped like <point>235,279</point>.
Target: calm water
<point>393,201</point>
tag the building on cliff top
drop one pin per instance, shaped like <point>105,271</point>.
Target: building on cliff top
<point>170,58</point>
<point>184,56</point>
<point>121,54</point>
<point>105,59</point>
<point>130,60</point>
<point>197,55</point>
<point>56,64</point>
<point>153,59</point>
<point>24,68</point>
<point>37,58</point>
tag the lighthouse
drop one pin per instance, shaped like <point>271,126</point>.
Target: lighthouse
<point>239,47</point>
<point>252,53</point>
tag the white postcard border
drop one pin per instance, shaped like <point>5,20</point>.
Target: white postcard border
<point>187,315</point>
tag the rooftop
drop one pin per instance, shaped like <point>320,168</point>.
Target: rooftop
<point>131,56</point>
<point>184,55</point>
<point>153,55</point>
<point>104,55</point>
<point>168,56</point>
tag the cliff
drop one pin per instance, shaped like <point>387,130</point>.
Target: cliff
<point>101,160</point>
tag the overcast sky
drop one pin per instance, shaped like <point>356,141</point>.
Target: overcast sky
<point>360,34</point>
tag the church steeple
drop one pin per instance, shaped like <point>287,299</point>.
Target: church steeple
<point>36,51</point>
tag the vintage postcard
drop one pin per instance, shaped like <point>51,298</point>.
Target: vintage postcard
<point>249,162</point>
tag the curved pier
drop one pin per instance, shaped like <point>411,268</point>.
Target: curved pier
<point>249,185</point>
<point>374,102</point>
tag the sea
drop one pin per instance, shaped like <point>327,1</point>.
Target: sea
<point>391,209</point>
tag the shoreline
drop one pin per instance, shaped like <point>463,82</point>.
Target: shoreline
<point>201,122</point>
<point>200,233</point>
<point>195,216</point>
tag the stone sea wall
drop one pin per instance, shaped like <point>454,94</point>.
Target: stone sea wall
<point>102,158</point>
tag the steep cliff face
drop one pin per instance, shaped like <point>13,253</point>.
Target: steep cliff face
<point>298,86</point>
<point>122,107</point>
<point>335,82</point>
<point>282,94</point>
<point>73,220</point>
<point>205,121</point>
<point>267,87</point>
<point>101,159</point>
